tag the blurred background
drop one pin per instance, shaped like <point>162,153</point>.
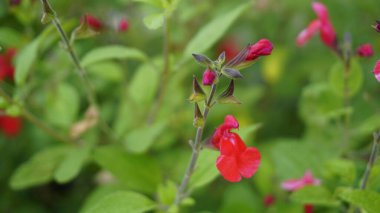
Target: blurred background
<point>288,110</point>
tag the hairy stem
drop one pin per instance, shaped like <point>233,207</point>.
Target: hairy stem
<point>165,74</point>
<point>196,149</point>
<point>372,159</point>
<point>33,119</point>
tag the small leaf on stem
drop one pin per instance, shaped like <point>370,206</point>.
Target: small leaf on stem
<point>198,117</point>
<point>198,93</point>
<point>227,96</point>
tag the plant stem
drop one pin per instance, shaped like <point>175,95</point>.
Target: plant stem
<point>165,74</point>
<point>33,119</point>
<point>372,159</point>
<point>346,104</point>
<point>90,94</point>
<point>196,149</point>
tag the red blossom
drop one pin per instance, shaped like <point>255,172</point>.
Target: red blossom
<point>376,71</point>
<point>308,208</point>
<point>326,30</point>
<point>208,77</point>
<point>123,25</point>
<point>10,126</point>
<point>296,184</point>
<point>235,160</point>
<point>365,50</point>
<point>93,22</point>
<point>230,47</point>
<point>6,66</point>
<point>269,200</point>
<point>261,48</point>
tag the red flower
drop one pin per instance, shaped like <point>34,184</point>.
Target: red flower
<point>364,50</point>
<point>10,126</point>
<point>93,22</point>
<point>261,48</point>
<point>269,200</point>
<point>376,71</point>
<point>230,47</point>
<point>326,30</point>
<point>377,26</point>
<point>123,25</point>
<point>6,66</point>
<point>208,77</point>
<point>296,184</point>
<point>308,208</point>
<point>235,160</point>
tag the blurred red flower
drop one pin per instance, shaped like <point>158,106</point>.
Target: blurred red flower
<point>208,77</point>
<point>296,184</point>
<point>376,71</point>
<point>365,50</point>
<point>235,160</point>
<point>10,126</point>
<point>93,22</point>
<point>6,67</point>
<point>123,25</point>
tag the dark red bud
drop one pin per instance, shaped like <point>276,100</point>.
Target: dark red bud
<point>365,50</point>
<point>208,77</point>
<point>123,25</point>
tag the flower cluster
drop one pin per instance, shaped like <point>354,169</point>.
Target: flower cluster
<point>6,67</point>
<point>236,160</point>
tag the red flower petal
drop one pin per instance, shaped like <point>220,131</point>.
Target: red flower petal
<point>327,34</point>
<point>227,167</point>
<point>249,162</point>
<point>321,11</point>
<point>306,34</point>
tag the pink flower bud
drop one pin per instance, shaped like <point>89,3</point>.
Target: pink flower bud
<point>93,22</point>
<point>376,71</point>
<point>123,25</point>
<point>208,77</point>
<point>261,48</point>
<point>296,184</point>
<point>364,50</point>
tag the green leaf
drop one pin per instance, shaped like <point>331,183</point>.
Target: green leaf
<point>145,79</point>
<point>108,71</point>
<point>355,78</point>
<point>98,194</point>
<point>112,52</point>
<point>241,198</point>
<point>340,171</point>
<point>166,192</point>
<point>246,131</point>
<point>10,37</point>
<point>205,170</point>
<point>156,3</point>
<point>139,140</point>
<point>316,195</point>
<point>154,21</point>
<point>39,169</point>
<point>123,201</point>
<point>62,105</point>
<point>212,32</point>
<point>24,61</point>
<point>367,200</point>
<point>138,172</point>
<point>71,165</point>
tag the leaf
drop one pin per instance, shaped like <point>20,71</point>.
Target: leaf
<point>112,52</point>
<point>139,140</point>
<point>203,60</point>
<point>355,78</point>
<point>24,61</point>
<point>154,21</point>
<point>98,194</point>
<point>166,192</point>
<point>10,37</point>
<point>138,172</point>
<point>341,171</point>
<point>212,32</point>
<point>108,71</point>
<point>231,73</point>
<point>123,201</point>
<point>367,200</point>
<point>145,79</point>
<point>62,105</point>
<point>205,170</point>
<point>156,3</point>
<point>245,132</point>
<point>39,169</point>
<point>316,195</point>
<point>71,165</point>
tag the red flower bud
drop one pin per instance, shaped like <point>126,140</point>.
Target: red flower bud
<point>235,160</point>
<point>208,77</point>
<point>123,25</point>
<point>269,200</point>
<point>365,50</point>
<point>93,22</point>
<point>11,126</point>
<point>376,71</point>
<point>6,66</point>
<point>377,26</point>
<point>261,48</point>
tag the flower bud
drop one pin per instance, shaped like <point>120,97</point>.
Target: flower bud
<point>93,22</point>
<point>376,71</point>
<point>208,77</point>
<point>364,50</point>
<point>377,26</point>
<point>123,25</point>
<point>261,48</point>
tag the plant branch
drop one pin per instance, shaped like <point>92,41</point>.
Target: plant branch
<point>346,104</point>
<point>372,159</point>
<point>33,119</point>
<point>196,149</point>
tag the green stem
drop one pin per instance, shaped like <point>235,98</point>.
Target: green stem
<point>346,105</point>
<point>372,159</point>
<point>165,74</point>
<point>33,119</point>
<point>196,149</point>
